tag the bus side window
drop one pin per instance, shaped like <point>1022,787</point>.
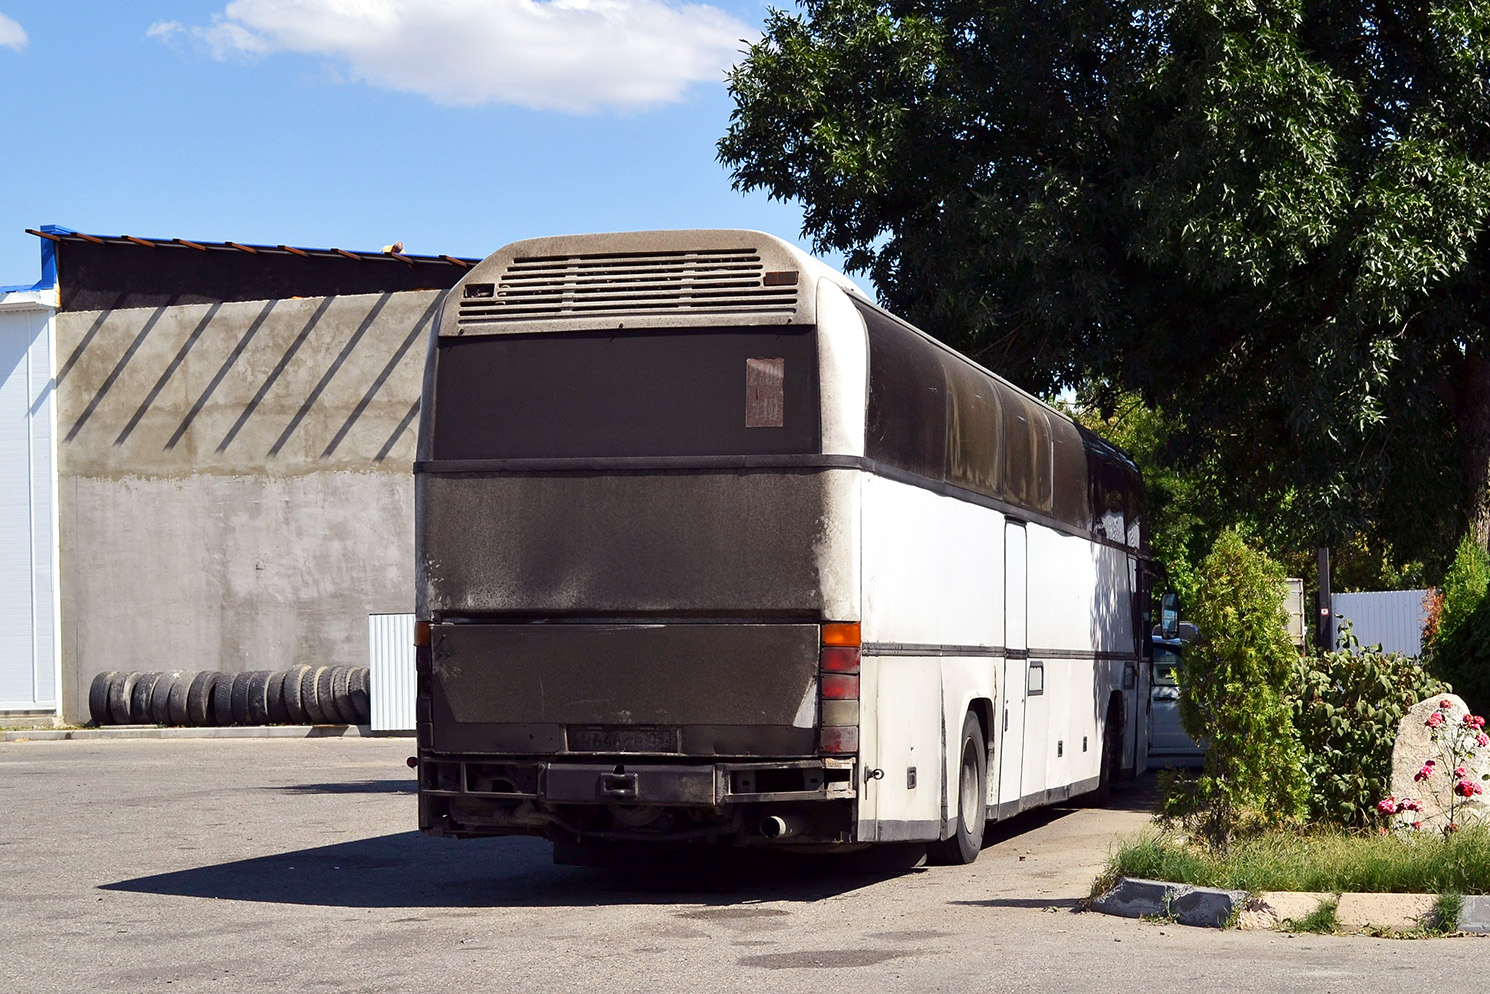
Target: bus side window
<point>907,417</point>
<point>974,429</point>
<point>1026,453</point>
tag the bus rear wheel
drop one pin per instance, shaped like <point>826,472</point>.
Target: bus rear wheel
<point>972,800</point>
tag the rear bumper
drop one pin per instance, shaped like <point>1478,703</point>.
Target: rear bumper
<point>621,799</point>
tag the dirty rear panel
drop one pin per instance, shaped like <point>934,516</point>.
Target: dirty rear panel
<point>674,689</point>
<point>704,544</point>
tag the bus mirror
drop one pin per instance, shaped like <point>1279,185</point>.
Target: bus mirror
<point>1169,614</point>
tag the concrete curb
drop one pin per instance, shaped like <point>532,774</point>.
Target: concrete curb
<point>233,732</point>
<point>1206,907</point>
<point>1474,917</point>
<point>1213,908</point>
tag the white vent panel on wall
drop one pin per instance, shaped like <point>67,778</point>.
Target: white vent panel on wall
<point>390,640</point>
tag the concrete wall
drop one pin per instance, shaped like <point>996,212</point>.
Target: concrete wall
<point>234,481</point>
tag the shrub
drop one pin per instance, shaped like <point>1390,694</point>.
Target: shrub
<point>1232,697</point>
<point>1347,706</point>
<point>1459,650</point>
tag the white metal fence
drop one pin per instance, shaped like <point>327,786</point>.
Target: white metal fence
<point>390,640</point>
<point>1393,618</point>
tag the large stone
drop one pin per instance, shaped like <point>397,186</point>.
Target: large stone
<point>1418,743</point>
<point>1206,907</point>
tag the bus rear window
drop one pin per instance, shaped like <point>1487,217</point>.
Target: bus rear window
<point>718,391</point>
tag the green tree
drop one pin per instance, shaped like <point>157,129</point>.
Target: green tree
<point>1458,643</point>
<point>1232,697</point>
<point>1266,218</point>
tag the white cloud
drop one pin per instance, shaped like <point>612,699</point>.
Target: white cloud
<point>165,30</point>
<point>12,35</point>
<point>569,55</point>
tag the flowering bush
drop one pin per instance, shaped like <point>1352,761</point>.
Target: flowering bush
<point>1347,706</point>
<point>1458,741</point>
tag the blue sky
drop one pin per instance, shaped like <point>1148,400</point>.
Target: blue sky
<point>454,126</point>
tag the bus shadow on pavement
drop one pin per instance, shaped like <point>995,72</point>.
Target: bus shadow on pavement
<point>410,870</point>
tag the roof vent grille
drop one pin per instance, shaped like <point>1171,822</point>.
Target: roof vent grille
<point>621,284</point>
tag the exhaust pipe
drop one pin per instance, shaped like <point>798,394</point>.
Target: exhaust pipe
<point>784,826</point>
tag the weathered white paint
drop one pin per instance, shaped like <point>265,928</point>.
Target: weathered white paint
<point>390,657</point>
<point>1393,618</point>
<point>931,567</point>
<point>29,660</point>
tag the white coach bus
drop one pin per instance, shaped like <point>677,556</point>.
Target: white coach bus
<point>710,547</point>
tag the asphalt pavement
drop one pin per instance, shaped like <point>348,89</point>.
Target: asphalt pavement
<point>294,865</point>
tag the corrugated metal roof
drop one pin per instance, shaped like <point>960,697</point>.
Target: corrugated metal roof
<point>57,234</point>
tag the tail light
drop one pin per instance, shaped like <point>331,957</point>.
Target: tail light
<point>838,684</point>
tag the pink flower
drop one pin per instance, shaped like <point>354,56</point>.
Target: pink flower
<point>1481,739</point>
<point>1408,804</point>
<point>1387,805</point>
<point>1460,772</point>
<point>1474,721</point>
<point>1467,788</point>
<point>1435,719</point>
<point>1424,773</point>
<point>1446,704</point>
<point>1417,824</point>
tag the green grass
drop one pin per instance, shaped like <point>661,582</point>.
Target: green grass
<point>1326,862</point>
<point>1322,919</point>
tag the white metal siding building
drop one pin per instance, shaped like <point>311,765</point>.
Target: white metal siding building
<point>30,661</point>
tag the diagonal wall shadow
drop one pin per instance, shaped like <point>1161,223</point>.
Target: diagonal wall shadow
<point>117,371</point>
<point>227,364</point>
<point>397,433</point>
<point>414,335</point>
<point>170,371</point>
<point>410,870</point>
<point>325,380</point>
<point>274,374</point>
<point>87,339</point>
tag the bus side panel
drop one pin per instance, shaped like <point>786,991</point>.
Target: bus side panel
<point>907,798</point>
<point>933,568</point>
<point>932,582</point>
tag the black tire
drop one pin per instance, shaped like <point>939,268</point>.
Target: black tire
<point>340,700</point>
<point>199,698</point>
<point>238,698</point>
<point>325,675</point>
<point>121,695</point>
<point>294,704</point>
<point>222,700</point>
<point>160,698</point>
<point>1112,754</point>
<point>176,700</point>
<point>139,699</point>
<point>278,713</point>
<point>310,696</point>
<point>359,693</point>
<point>972,800</point>
<point>98,697</point>
<point>256,704</point>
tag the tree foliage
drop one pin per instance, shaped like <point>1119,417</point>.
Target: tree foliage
<point>1266,218</point>
<point>1233,690</point>
<point>1458,644</point>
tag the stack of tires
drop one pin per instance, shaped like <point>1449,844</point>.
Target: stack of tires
<point>302,695</point>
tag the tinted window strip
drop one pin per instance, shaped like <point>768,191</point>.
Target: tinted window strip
<point>807,461</point>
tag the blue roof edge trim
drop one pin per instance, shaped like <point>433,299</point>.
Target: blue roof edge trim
<point>48,261</point>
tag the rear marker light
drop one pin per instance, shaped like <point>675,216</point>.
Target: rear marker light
<point>841,633</point>
<point>840,739</point>
<point>421,633</point>
<point>840,659</point>
<point>839,687</point>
